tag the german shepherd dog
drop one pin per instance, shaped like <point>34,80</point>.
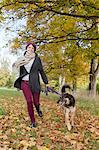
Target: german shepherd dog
<point>67,101</point>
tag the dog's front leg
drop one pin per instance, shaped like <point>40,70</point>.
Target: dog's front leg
<point>73,109</point>
<point>67,121</point>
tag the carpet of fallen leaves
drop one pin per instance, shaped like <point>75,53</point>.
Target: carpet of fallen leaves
<point>51,132</point>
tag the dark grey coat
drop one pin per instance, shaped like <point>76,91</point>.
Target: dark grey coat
<point>34,80</point>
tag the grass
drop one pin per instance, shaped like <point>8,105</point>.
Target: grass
<point>90,105</point>
<point>2,112</point>
<point>84,104</point>
<point>5,92</point>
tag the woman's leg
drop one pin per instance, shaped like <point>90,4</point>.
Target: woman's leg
<point>29,99</point>
<point>36,98</point>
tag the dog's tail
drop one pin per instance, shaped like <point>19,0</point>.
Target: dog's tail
<point>64,87</point>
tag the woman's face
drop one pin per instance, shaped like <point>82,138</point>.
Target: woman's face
<point>30,49</point>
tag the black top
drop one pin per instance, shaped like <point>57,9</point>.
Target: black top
<point>34,80</point>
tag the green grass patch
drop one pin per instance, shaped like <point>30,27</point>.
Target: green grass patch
<point>8,93</point>
<point>47,142</point>
<point>33,134</point>
<point>2,112</point>
<point>93,145</point>
<point>50,96</point>
<point>87,134</point>
<point>34,148</point>
<point>90,105</point>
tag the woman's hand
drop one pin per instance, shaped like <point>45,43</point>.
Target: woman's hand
<point>46,89</point>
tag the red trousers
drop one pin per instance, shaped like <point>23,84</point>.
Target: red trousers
<point>31,98</point>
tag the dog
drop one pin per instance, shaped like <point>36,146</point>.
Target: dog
<point>67,102</point>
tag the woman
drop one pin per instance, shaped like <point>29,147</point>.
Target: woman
<point>30,66</point>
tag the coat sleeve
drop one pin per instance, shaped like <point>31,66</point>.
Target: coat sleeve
<point>41,70</point>
<point>17,83</point>
<point>21,71</point>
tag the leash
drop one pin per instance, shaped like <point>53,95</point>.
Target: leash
<point>50,89</point>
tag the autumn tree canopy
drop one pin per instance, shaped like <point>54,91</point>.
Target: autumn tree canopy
<point>66,32</point>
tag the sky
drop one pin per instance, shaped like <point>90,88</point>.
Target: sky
<point>5,52</point>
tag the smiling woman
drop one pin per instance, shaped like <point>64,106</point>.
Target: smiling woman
<point>29,82</point>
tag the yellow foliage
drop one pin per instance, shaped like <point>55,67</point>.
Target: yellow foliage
<point>33,6</point>
<point>77,1</point>
<point>4,77</point>
<point>15,45</point>
<point>42,147</point>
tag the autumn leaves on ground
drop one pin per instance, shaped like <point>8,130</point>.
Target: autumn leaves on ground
<point>51,132</point>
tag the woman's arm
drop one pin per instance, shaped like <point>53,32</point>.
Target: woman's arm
<point>43,75</point>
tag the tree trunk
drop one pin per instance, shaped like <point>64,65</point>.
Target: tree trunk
<point>93,87</point>
<point>92,78</point>
<point>61,82</point>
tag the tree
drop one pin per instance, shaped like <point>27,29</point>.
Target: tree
<point>5,75</point>
<point>50,11</point>
<point>55,25</point>
<point>94,69</point>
